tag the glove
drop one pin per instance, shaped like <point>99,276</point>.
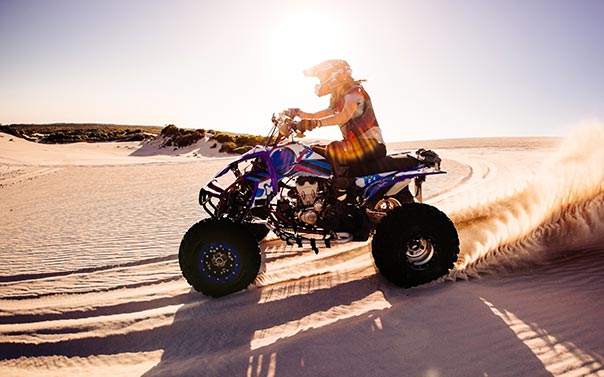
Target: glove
<point>430,157</point>
<point>307,124</point>
<point>292,112</point>
<point>284,130</point>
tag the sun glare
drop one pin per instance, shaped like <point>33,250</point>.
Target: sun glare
<point>299,40</point>
<point>311,37</point>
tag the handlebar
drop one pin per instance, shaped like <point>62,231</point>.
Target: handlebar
<point>285,124</point>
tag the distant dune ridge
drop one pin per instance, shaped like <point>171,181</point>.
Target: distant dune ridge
<point>168,137</point>
<point>59,133</point>
<point>90,282</point>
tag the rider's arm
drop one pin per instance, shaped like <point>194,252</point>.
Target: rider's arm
<point>330,116</point>
<point>337,118</point>
<point>317,115</point>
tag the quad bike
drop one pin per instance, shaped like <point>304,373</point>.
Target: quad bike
<point>284,186</point>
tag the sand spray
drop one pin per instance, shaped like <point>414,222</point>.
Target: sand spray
<point>561,209</point>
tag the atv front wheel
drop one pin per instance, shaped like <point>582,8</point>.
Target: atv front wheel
<point>415,244</point>
<point>219,257</point>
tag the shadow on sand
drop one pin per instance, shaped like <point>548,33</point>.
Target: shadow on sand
<point>312,334</point>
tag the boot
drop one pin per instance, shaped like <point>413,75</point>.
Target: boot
<point>343,189</point>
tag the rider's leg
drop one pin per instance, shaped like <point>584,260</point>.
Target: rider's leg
<point>345,155</point>
<point>337,154</point>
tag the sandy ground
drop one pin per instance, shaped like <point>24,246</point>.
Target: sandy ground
<point>90,283</point>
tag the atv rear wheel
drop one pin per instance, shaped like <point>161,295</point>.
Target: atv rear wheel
<point>219,257</point>
<point>415,244</point>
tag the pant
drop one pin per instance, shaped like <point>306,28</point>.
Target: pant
<point>344,155</point>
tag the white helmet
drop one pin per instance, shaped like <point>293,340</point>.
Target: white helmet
<point>331,74</point>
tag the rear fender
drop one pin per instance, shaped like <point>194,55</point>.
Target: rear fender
<point>391,183</point>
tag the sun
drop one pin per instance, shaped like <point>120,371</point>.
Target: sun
<point>299,39</point>
<point>306,38</point>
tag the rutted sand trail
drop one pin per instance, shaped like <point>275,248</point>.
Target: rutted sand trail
<point>90,283</point>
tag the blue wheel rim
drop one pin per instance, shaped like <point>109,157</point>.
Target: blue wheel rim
<point>219,262</point>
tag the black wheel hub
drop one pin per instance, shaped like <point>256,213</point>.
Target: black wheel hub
<point>219,262</point>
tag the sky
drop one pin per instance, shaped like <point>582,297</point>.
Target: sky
<point>434,68</point>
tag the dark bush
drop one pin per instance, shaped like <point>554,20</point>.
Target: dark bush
<point>223,138</point>
<point>188,139</point>
<point>169,130</point>
<point>228,147</point>
<point>11,131</point>
<point>242,150</point>
<point>242,140</point>
<point>180,137</point>
<point>136,137</point>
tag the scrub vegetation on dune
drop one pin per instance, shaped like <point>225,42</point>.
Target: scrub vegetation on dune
<point>64,133</point>
<point>173,136</point>
<point>230,143</point>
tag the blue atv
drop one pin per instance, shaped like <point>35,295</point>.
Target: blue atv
<point>285,186</point>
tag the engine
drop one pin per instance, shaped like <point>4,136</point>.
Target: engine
<point>309,200</point>
<point>309,205</point>
<point>304,202</point>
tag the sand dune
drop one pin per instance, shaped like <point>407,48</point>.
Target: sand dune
<point>90,282</point>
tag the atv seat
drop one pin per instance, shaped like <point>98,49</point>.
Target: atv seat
<point>384,164</point>
<point>400,161</point>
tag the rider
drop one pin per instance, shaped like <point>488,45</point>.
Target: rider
<point>349,108</point>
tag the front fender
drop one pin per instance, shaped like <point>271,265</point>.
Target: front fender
<point>254,167</point>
